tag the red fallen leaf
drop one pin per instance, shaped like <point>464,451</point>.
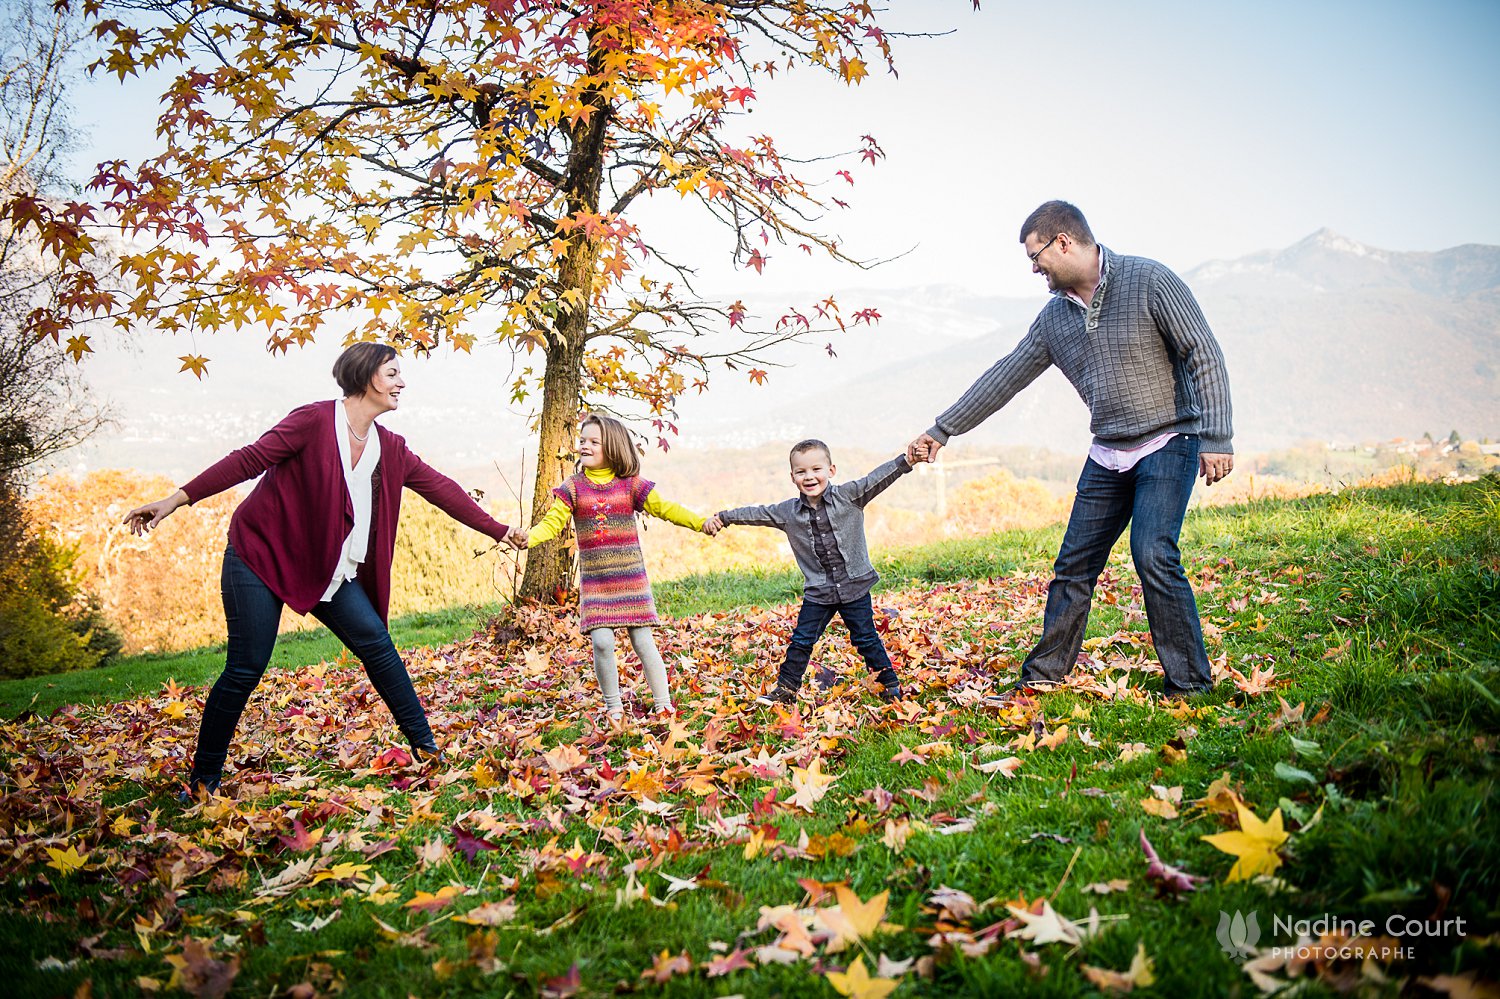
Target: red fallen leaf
<point>376,849</point>
<point>562,986</point>
<point>728,964</point>
<point>766,805</point>
<point>468,844</point>
<point>323,811</point>
<point>817,890</point>
<point>880,798</point>
<point>392,759</point>
<point>299,840</point>
<point>1169,880</point>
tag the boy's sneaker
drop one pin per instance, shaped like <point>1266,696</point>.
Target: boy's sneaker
<point>780,695</point>
<point>890,694</point>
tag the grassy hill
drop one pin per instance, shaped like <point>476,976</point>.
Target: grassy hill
<point>1345,763</point>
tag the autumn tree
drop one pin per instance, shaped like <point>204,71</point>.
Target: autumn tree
<point>457,171</point>
<point>48,624</point>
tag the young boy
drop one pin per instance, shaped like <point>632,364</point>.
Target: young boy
<point>825,524</point>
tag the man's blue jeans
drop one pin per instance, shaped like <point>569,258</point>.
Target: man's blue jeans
<point>252,613</point>
<point>1152,498</point>
<point>813,619</point>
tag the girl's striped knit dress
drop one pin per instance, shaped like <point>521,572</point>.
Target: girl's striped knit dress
<point>615,592</point>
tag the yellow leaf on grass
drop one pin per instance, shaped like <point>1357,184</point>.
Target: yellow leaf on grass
<point>856,983</point>
<point>342,872</point>
<point>1142,972</point>
<point>810,784</point>
<point>565,758</point>
<point>66,861</point>
<point>1254,844</point>
<point>852,920</point>
<point>485,775</point>
<point>431,902</point>
<point>1054,739</point>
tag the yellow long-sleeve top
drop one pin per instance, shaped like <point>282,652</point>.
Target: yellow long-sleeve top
<point>551,525</point>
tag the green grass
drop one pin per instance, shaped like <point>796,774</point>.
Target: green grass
<point>133,676</point>
<point>1403,767</point>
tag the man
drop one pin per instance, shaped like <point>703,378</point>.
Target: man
<point>1129,336</point>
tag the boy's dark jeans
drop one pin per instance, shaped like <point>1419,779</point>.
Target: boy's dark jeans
<point>813,620</point>
<point>1151,497</point>
<point>252,613</point>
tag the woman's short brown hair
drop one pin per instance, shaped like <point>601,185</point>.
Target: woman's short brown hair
<point>356,366</point>
<point>619,450</point>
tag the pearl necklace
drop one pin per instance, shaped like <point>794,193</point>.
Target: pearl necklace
<point>357,436</point>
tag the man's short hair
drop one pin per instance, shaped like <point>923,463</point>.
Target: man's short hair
<point>356,366</point>
<point>811,444</point>
<point>1055,217</point>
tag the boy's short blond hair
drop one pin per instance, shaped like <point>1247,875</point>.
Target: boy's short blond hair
<point>811,444</point>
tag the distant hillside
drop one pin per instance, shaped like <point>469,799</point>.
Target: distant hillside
<point>1326,339</point>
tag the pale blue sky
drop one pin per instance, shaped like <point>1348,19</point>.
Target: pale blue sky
<point>1186,131</point>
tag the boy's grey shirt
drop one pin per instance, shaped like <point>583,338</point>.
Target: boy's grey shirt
<point>844,506</point>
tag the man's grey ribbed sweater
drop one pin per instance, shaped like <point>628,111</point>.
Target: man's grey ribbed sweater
<point>1141,356</point>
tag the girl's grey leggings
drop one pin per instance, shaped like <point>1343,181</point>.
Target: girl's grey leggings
<point>609,673</point>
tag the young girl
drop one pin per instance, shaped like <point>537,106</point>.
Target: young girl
<point>602,500</point>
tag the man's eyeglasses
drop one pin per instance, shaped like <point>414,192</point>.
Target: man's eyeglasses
<point>1038,253</point>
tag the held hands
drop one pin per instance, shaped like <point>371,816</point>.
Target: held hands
<point>144,518</point>
<point>713,525</point>
<point>924,448</point>
<point>517,538</point>
<point>1214,467</point>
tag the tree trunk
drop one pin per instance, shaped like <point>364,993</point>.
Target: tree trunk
<point>549,569</point>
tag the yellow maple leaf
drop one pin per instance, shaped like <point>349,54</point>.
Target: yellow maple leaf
<point>856,983</point>
<point>810,784</point>
<point>1254,844</point>
<point>484,774</point>
<point>342,872</point>
<point>66,861</point>
<point>852,920</point>
<point>1142,972</point>
<point>194,363</point>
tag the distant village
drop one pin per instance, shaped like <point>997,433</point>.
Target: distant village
<point>1452,458</point>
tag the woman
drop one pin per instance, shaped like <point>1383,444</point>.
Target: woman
<point>317,534</point>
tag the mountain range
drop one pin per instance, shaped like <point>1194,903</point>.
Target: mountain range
<point>1326,339</point>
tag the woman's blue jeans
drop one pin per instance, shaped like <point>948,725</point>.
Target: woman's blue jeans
<point>252,613</point>
<point>1152,498</point>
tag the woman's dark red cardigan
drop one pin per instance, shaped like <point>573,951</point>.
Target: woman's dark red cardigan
<point>291,528</point>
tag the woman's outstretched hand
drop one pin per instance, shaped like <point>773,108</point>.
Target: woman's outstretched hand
<point>144,518</point>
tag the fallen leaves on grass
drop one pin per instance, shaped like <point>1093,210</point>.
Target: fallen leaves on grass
<point>857,983</point>
<point>1254,844</point>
